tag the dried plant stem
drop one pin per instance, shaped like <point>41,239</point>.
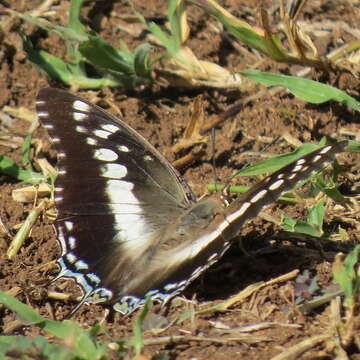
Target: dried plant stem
<point>25,229</point>
<point>295,351</point>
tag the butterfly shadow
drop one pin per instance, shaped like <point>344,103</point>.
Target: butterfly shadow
<point>259,258</point>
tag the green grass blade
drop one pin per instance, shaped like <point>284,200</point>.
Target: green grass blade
<point>74,18</point>
<point>137,328</point>
<point>23,311</point>
<point>65,33</point>
<point>20,347</point>
<point>175,8</point>
<point>78,340</point>
<point>353,146</point>
<point>309,90</point>
<point>169,44</point>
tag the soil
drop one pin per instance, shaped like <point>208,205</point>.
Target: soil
<point>161,115</point>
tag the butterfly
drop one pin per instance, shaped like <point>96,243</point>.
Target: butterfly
<point>129,226</point>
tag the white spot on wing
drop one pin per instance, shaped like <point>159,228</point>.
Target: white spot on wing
<point>81,265</point>
<point>101,134</point>
<point>300,162</point>
<point>316,158</point>
<point>304,168</point>
<point>213,256</point>
<point>105,155</point>
<point>72,242</point>
<point>40,102</point>
<point>195,248</point>
<point>109,127</point>
<point>43,114</point>
<point>290,177</point>
<point>71,258</point>
<point>81,129</point>
<point>91,141</point>
<point>115,171</point>
<point>79,116</point>
<point>63,243</point>
<point>196,272</point>
<point>48,126</point>
<point>258,196</point>
<point>120,191</point>
<point>276,184</point>
<point>123,148</point>
<point>94,278</point>
<point>297,168</point>
<point>325,149</point>
<point>170,286</point>
<point>133,232</point>
<point>235,215</point>
<point>81,106</point>
<point>69,225</point>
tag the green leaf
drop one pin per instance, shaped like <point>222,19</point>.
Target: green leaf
<point>175,8</point>
<point>308,90</point>
<point>81,340</point>
<point>101,54</point>
<point>313,225</point>
<point>74,18</point>
<point>288,223</point>
<point>346,276</point>
<point>316,215</point>
<point>8,167</point>
<point>329,188</point>
<point>70,74</point>
<point>142,61</point>
<point>25,160</point>
<point>291,225</point>
<point>54,67</point>
<point>270,46</point>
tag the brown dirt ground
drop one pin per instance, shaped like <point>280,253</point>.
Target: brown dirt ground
<point>161,116</point>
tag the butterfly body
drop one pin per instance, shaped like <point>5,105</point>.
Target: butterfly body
<point>129,226</point>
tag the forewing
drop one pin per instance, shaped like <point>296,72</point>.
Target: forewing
<point>113,191</point>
